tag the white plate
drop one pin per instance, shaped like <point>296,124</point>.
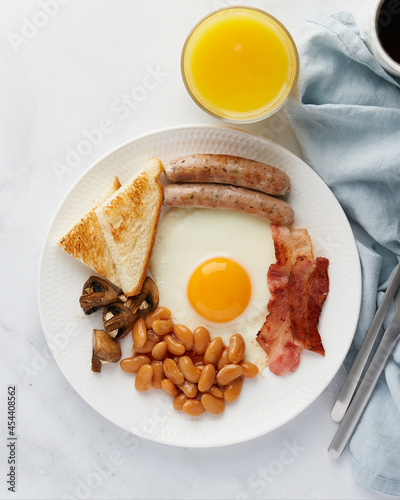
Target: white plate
<point>265,403</point>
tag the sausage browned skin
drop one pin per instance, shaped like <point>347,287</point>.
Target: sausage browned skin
<point>226,169</point>
<point>239,199</point>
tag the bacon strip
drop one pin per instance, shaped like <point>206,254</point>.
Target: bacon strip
<point>288,246</point>
<point>318,292</point>
<point>298,286</point>
<point>276,337</point>
<point>308,287</point>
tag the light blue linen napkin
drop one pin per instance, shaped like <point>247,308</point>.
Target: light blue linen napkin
<point>347,120</point>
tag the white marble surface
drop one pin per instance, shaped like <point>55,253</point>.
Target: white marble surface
<point>66,69</point>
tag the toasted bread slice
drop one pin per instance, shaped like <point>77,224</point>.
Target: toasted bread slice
<point>85,241</point>
<point>129,222</point>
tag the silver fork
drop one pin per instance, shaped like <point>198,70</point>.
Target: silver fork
<point>358,367</point>
<point>368,383</point>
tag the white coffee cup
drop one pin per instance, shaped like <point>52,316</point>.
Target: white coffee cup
<point>380,16</point>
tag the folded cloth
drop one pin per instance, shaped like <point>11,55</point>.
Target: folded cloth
<point>347,120</point>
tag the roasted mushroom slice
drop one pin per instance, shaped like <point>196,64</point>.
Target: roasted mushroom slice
<point>118,320</point>
<point>97,292</point>
<point>147,299</point>
<point>105,350</point>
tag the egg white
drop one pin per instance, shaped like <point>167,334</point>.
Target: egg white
<point>188,237</point>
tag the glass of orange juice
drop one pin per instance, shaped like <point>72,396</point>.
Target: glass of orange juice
<point>239,64</point>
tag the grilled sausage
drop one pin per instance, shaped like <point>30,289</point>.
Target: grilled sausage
<point>229,198</point>
<point>226,169</point>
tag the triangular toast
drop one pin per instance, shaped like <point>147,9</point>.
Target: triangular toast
<point>129,222</point>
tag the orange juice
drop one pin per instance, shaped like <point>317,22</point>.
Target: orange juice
<point>240,64</point>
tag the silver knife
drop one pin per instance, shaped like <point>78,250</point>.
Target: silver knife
<point>367,385</point>
<point>354,375</point>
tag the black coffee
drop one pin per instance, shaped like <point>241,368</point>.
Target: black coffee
<point>388,24</point>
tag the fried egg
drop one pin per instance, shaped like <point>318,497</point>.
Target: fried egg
<point>210,267</point>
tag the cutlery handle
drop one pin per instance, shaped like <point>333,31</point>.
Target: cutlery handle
<point>363,394</point>
<point>354,375</point>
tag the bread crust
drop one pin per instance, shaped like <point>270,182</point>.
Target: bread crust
<point>152,239</point>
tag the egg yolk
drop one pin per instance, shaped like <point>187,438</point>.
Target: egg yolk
<point>219,289</point>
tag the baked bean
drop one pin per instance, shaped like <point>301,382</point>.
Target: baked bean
<point>216,392</point>
<point>152,340</point>
<point>223,360</point>
<point>185,336</point>
<point>179,401</point>
<point>212,405</point>
<point>201,337</point>
<point>158,374</point>
<point>139,333</point>
<point>189,389</point>
<point>159,351</point>
<point>172,371</point>
<point>232,390</point>
<point>207,378</point>
<point>162,326</point>
<point>132,364</point>
<point>229,373</point>
<point>174,347</point>
<point>159,313</point>
<point>236,349</point>
<point>249,370</point>
<point>169,387</point>
<point>213,351</point>
<point>151,335</point>
<point>190,372</point>
<point>144,378</point>
<point>193,407</point>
